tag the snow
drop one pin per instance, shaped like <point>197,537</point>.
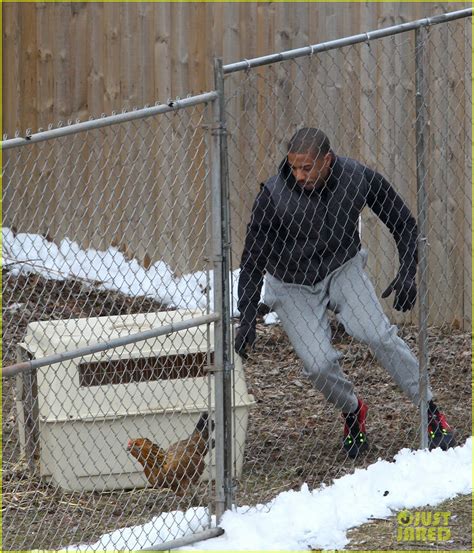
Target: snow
<point>271,318</point>
<point>320,518</point>
<point>109,270</point>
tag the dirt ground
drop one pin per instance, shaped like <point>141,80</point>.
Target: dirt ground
<point>293,436</point>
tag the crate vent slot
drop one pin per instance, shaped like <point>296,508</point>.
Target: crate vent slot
<point>144,369</point>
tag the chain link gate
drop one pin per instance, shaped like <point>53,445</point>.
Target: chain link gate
<point>397,100</point>
<point>111,246</point>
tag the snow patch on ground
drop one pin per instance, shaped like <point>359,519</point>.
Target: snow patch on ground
<point>108,270</point>
<point>320,518</point>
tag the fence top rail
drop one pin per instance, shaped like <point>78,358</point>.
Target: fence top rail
<point>173,105</point>
<point>346,41</point>
<point>17,368</point>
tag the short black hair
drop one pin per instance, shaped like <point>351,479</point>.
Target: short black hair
<point>309,140</point>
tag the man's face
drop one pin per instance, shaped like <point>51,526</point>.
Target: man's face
<point>310,172</point>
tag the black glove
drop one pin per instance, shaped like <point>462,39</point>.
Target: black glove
<point>404,286</point>
<point>245,338</point>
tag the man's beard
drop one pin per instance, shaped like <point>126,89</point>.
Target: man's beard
<point>311,187</point>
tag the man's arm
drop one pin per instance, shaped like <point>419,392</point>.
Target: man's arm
<point>258,242</point>
<point>395,214</point>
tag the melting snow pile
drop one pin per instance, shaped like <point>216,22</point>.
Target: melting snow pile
<point>32,253</point>
<point>316,519</point>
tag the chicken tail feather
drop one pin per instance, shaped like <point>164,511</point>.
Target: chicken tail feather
<point>202,425</point>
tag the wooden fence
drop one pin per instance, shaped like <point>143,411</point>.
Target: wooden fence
<point>67,61</point>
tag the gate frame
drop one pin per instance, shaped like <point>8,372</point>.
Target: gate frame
<point>219,243</point>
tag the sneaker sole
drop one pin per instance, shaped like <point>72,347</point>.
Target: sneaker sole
<point>355,451</point>
<point>444,442</point>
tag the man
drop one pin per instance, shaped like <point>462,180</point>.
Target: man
<point>303,234</point>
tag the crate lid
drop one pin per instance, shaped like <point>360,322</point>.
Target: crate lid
<point>47,337</point>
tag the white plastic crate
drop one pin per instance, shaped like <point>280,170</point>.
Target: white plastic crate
<point>87,413</point>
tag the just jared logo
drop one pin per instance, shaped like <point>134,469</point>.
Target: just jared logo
<point>429,526</point>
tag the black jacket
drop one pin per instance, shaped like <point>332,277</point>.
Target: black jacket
<point>301,237</point>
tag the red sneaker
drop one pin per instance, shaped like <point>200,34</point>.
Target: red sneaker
<point>440,434</point>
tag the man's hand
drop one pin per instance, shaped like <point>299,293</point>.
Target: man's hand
<point>245,338</point>
<point>405,292</point>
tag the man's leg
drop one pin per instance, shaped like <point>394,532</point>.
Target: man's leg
<point>353,298</point>
<point>302,312</point>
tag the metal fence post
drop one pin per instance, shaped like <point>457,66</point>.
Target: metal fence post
<point>222,298</point>
<point>422,216</point>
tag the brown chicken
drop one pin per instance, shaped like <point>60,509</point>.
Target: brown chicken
<point>181,464</point>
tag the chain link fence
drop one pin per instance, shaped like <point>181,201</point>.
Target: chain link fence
<point>108,233</point>
<point>115,232</point>
<point>364,97</point>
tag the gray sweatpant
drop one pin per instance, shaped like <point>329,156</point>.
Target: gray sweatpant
<point>348,292</point>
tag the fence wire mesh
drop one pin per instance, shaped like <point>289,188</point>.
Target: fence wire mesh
<point>108,233</point>
<point>327,313</point>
